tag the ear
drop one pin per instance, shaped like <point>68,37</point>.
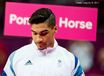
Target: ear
<point>55,29</point>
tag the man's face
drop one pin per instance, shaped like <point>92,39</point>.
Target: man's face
<point>43,35</point>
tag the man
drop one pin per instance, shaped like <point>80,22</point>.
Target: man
<point>43,57</point>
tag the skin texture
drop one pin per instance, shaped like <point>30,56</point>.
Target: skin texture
<point>43,35</point>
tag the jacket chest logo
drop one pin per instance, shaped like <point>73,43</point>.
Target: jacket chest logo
<point>28,62</point>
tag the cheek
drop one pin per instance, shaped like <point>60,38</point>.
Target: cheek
<point>47,39</point>
<point>33,35</point>
<point>50,38</point>
<point>34,38</point>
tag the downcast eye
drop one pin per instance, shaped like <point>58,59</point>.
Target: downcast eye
<point>44,33</point>
<point>35,33</point>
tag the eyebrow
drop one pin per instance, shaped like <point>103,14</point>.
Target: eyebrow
<point>32,30</point>
<point>44,30</point>
<point>41,31</point>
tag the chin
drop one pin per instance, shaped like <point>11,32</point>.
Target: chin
<point>41,48</point>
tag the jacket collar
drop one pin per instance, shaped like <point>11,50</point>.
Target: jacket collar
<point>45,51</point>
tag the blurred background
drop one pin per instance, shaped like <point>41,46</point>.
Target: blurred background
<point>90,54</point>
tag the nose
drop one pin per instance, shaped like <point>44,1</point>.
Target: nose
<point>39,38</point>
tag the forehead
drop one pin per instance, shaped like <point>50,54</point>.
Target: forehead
<point>40,27</point>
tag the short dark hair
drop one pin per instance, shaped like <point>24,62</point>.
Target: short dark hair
<point>43,15</point>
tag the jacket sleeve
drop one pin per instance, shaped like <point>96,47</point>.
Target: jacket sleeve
<point>8,69</point>
<point>77,71</point>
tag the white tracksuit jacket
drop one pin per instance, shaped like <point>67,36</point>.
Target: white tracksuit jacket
<point>29,61</point>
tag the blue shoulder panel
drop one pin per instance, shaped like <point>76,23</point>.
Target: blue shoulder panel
<point>11,65</point>
<point>76,61</point>
<point>79,71</point>
<point>4,74</point>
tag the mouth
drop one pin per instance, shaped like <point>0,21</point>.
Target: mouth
<point>41,45</point>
